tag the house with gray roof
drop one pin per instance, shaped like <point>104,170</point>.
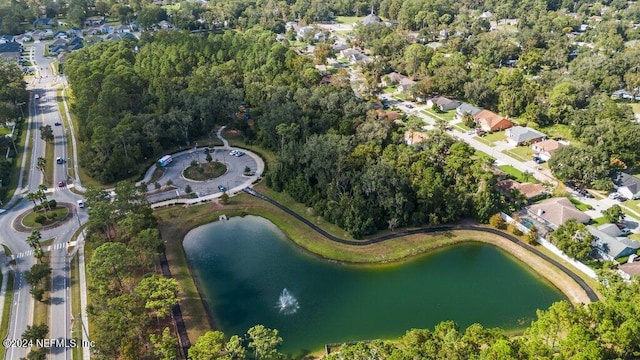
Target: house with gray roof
<point>554,212</point>
<point>466,108</point>
<point>627,185</point>
<point>519,135</point>
<point>609,242</point>
<point>371,19</point>
<point>443,103</point>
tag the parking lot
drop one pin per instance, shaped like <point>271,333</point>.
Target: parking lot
<point>233,180</point>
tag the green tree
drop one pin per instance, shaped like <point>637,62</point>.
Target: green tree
<point>42,166</point>
<point>165,346</point>
<point>46,133</point>
<point>614,214</point>
<point>208,346</point>
<point>35,332</point>
<point>160,294</point>
<point>573,239</point>
<point>111,265</point>
<point>264,341</point>
<point>469,120</point>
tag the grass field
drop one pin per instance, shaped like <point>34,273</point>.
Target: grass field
<point>75,306</point>
<point>580,205</point>
<point>17,166</point>
<point>347,20</point>
<point>522,153</point>
<point>6,311</point>
<point>516,174</point>
<point>50,157</point>
<point>599,221</point>
<point>4,131</point>
<point>30,220</point>
<point>447,115</point>
<point>495,136</point>
<point>560,131</point>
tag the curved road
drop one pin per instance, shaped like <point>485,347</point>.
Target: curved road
<point>432,229</point>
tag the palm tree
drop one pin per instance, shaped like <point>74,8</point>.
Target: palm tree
<point>33,197</point>
<point>41,165</point>
<point>42,193</point>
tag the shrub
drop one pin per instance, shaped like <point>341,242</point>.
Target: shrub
<point>514,230</point>
<point>209,158</point>
<point>194,162</point>
<point>157,185</point>
<point>224,199</point>
<point>53,203</point>
<point>532,236</point>
<point>40,219</point>
<point>496,221</point>
<point>188,189</point>
<point>169,182</point>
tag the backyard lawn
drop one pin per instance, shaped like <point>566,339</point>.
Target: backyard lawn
<point>496,136</point>
<point>447,115</point>
<point>517,175</point>
<point>522,153</point>
<point>580,205</point>
<point>347,19</point>
<point>599,221</point>
<point>560,131</point>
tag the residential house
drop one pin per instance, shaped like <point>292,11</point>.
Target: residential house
<point>44,23</point>
<point>359,58</point>
<point>164,25</point>
<point>107,29</point>
<point>337,47</point>
<point>122,29</point>
<point>305,33</point>
<point>26,37</point>
<point>519,135</point>
<point>465,108</point>
<point>346,53</point>
<point>546,149</point>
<point>7,39</point>
<point>406,85</point>
<point>629,270</point>
<point>60,35</point>
<point>280,37</point>
<point>557,211</point>
<point>610,243</point>
<point>74,31</point>
<point>414,137</point>
<point>94,21</point>
<point>291,26</point>
<point>11,51</point>
<point>389,115</point>
<point>445,104</point>
<point>490,121</point>
<point>628,185</point>
<point>529,190</point>
<point>371,19</point>
<point>47,34</point>
<point>435,45</point>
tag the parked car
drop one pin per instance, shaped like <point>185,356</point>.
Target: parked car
<point>614,196</point>
<point>625,231</point>
<point>409,106</point>
<point>222,188</point>
<point>57,124</point>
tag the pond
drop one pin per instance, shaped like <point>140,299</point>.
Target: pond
<point>243,265</point>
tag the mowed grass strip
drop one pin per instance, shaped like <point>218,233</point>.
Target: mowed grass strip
<point>6,311</point>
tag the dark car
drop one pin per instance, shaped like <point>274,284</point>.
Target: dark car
<point>57,124</point>
<point>222,188</point>
<point>409,106</point>
<point>60,183</point>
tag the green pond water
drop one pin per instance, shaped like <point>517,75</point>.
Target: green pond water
<point>242,266</point>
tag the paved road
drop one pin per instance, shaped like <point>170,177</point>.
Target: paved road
<point>43,111</point>
<point>432,229</point>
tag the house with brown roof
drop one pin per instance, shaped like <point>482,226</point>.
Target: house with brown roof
<point>490,121</point>
<point>529,190</point>
<point>414,137</point>
<point>629,270</point>
<point>546,149</point>
<point>556,211</point>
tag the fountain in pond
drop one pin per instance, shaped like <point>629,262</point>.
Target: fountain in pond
<point>287,303</point>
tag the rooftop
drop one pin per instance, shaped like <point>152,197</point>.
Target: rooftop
<point>557,211</point>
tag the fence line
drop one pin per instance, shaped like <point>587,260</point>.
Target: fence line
<point>548,245</point>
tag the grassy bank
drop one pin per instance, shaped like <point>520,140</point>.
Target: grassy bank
<point>6,312</point>
<point>76,329</point>
<point>50,157</point>
<point>16,169</point>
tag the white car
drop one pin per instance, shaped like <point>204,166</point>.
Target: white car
<point>625,231</point>
<point>614,196</point>
<point>36,96</point>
